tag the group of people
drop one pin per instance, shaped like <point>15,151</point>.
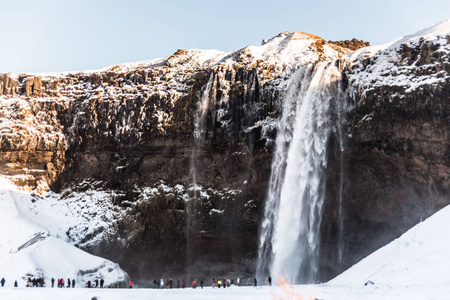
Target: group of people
<point>35,282</point>
<point>89,284</point>
<point>157,284</point>
<point>225,282</point>
<point>2,282</point>
<point>169,283</point>
<point>61,283</point>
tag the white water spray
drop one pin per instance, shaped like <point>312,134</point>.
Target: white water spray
<point>289,238</point>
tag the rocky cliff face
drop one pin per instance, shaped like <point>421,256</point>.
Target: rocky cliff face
<point>397,162</point>
<point>182,146</point>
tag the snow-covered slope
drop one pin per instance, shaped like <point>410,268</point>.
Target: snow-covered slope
<point>33,243</point>
<point>400,63</point>
<point>430,33</point>
<point>289,48</point>
<point>421,256</point>
<point>414,267</point>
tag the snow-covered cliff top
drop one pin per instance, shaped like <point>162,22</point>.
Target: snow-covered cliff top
<point>287,48</point>
<point>431,33</point>
<point>389,67</point>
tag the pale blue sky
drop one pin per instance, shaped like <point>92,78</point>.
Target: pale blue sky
<point>69,35</point>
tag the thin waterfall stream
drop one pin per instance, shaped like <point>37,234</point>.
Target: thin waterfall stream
<point>199,136</point>
<point>289,235</point>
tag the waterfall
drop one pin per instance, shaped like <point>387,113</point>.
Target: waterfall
<point>200,119</point>
<point>289,235</point>
<point>202,109</point>
<point>199,134</point>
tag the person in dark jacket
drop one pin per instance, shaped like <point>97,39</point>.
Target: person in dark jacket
<point>53,282</point>
<point>73,283</point>
<point>201,282</point>
<point>3,281</point>
<point>255,282</point>
<point>101,282</point>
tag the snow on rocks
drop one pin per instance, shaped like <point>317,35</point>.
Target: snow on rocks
<point>410,62</point>
<point>34,243</point>
<point>29,127</point>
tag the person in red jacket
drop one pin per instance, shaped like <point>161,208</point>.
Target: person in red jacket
<point>130,284</point>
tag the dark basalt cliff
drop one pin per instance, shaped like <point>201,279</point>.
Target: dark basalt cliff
<point>193,205</point>
<point>398,156</point>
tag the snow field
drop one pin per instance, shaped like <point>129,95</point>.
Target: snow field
<point>33,245</point>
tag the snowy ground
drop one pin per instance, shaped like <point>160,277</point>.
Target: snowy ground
<point>415,266</point>
<point>324,291</point>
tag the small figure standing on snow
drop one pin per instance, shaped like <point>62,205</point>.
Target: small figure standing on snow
<point>255,282</point>
<point>68,282</point>
<point>2,281</point>
<point>73,283</point>
<point>201,282</point>
<point>16,284</point>
<point>183,284</point>
<point>162,283</point>
<point>53,282</point>
<point>89,284</point>
<point>213,283</point>
<point>101,282</point>
<point>269,280</point>
<point>194,284</point>
<point>130,284</point>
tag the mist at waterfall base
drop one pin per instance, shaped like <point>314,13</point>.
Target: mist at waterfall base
<point>290,231</point>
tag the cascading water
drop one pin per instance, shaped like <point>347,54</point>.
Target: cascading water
<point>200,119</point>
<point>289,237</point>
